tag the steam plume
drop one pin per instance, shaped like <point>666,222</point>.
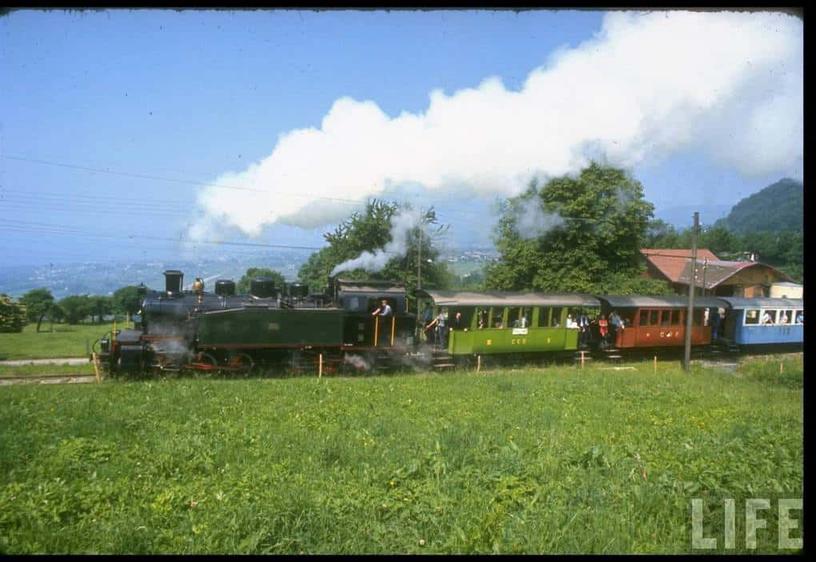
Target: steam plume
<point>645,86</point>
<point>401,225</point>
<point>532,221</point>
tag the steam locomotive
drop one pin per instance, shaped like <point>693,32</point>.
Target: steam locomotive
<point>222,331</point>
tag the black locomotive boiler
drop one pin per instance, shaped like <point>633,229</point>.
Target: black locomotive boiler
<point>223,331</point>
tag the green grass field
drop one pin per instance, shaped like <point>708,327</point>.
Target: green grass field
<point>560,460</point>
<point>64,341</point>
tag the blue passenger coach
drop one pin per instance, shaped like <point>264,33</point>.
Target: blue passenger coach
<point>764,321</point>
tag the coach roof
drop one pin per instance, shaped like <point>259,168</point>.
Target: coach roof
<point>739,303</point>
<point>661,302</point>
<point>501,298</point>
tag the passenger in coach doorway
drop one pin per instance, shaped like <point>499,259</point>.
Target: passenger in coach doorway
<point>715,323</point>
<point>603,330</point>
<point>458,323</point>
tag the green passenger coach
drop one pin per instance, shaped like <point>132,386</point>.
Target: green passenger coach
<point>507,322</point>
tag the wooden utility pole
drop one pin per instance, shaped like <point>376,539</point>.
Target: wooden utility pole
<point>692,277</point>
<point>420,323</point>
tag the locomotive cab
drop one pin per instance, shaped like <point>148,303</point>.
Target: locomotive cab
<point>363,328</point>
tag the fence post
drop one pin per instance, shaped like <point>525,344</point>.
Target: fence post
<point>96,367</point>
<point>655,364</point>
<point>320,366</point>
<point>478,363</point>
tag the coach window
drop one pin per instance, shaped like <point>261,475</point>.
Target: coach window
<point>526,317</point>
<point>654,317</point>
<point>627,317</point>
<point>481,318</point>
<point>675,318</point>
<point>467,316</point>
<point>698,317</point>
<point>798,317</point>
<point>513,317</point>
<point>555,321</point>
<point>495,317</point>
<point>665,318</point>
<point>644,318</point>
<point>543,316</point>
<point>752,316</point>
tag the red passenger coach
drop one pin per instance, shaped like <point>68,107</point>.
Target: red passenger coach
<point>658,321</point>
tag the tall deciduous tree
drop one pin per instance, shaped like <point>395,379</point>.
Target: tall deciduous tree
<point>77,307</point>
<point>575,234</point>
<point>37,303</point>
<point>370,230</point>
<point>128,299</point>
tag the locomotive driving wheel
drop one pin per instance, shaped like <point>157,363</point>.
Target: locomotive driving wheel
<point>204,363</point>
<point>239,363</point>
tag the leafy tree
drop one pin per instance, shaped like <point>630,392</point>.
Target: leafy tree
<point>127,299</point>
<point>100,305</point>
<point>597,225</point>
<point>716,238</point>
<point>660,234</point>
<point>56,314</point>
<point>370,230</point>
<point>76,307</point>
<point>12,315</point>
<point>472,281</point>
<point>37,303</point>
<point>253,272</point>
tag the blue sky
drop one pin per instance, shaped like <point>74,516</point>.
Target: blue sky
<point>90,100</point>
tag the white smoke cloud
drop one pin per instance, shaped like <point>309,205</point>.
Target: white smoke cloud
<point>532,221</point>
<point>647,85</point>
<point>356,361</point>
<point>401,225</point>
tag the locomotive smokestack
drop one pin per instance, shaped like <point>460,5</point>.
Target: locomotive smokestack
<point>172,281</point>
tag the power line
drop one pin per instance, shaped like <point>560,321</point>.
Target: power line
<point>355,202</point>
<point>177,180</point>
<point>24,226</point>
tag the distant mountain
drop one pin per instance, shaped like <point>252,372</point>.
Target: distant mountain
<point>778,207</point>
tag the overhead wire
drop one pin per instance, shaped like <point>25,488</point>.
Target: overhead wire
<point>355,202</point>
<point>91,203</point>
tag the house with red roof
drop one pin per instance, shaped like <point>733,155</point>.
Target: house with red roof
<point>713,276</point>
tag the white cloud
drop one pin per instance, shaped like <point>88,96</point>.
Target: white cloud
<point>647,85</point>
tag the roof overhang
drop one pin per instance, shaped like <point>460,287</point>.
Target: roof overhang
<point>739,303</point>
<point>502,298</point>
<point>661,302</point>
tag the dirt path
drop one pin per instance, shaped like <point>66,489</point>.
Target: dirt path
<point>52,361</point>
<point>48,379</point>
